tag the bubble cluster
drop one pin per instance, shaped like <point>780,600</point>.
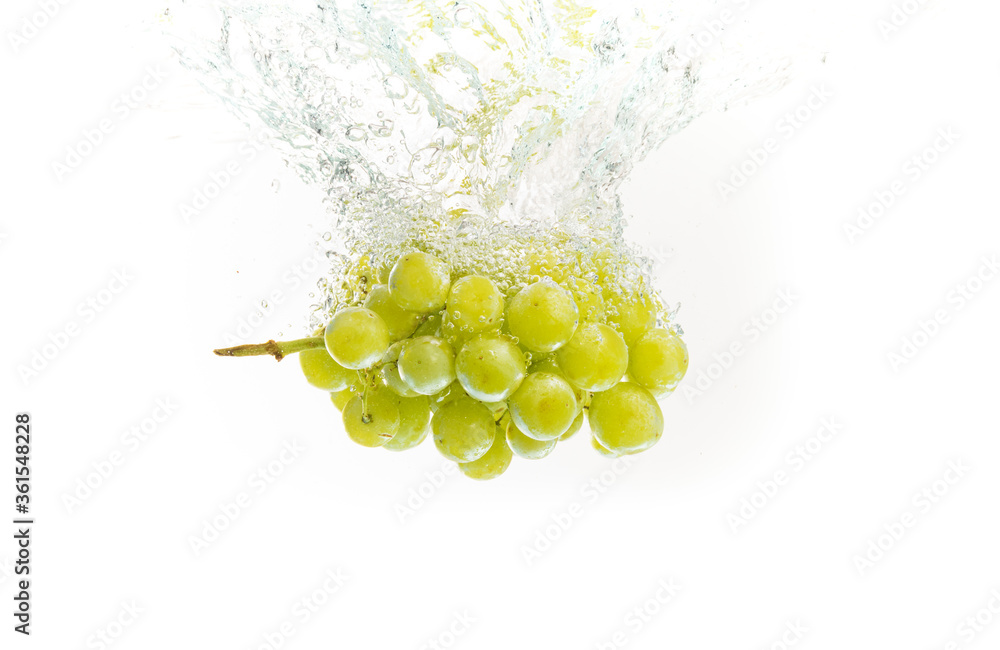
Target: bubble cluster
<point>481,132</point>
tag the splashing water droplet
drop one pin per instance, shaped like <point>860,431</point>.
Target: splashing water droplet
<point>489,139</point>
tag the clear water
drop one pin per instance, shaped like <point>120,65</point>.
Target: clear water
<point>480,131</point>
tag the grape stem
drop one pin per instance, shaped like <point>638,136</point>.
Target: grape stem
<point>278,349</point>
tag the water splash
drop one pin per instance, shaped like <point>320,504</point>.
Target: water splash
<point>485,132</point>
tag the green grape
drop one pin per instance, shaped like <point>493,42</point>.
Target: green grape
<point>595,358</point>
<point>489,367</point>
<point>548,364</point>
<point>602,450</point>
<point>658,360</point>
<point>491,464</point>
<point>631,314</point>
<point>340,398</point>
<point>546,263</point>
<point>389,376</point>
<point>372,420</point>
<point>544,406</point>
<point>392,354</point>
<point>573,428</point>
<point>420,282</point>
<point>545,364</point>
<point>401,323</point>
<point>506,333</point>
<point>356,338</point>
<point>463,429</point>
<point>431,326</point>
<point>527,447</point>
<point>361,276</point>
<point>498,409</point>
<point>414,423</point>
<point>452,392</point>
<point>383,273</point>
<point>427,364</point>
<point>474,305</point>
<point>542,316</point>
<point>626,418</point>
<point>588,299</point>
<point>323,372</point>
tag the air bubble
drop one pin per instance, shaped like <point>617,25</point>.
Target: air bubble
<point>395,88</point>
<point>464,16</point>
<point>383,130</point>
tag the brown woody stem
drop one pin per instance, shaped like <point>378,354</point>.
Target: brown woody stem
<point>277,349</point>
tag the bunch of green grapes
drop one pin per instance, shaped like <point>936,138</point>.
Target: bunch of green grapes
<point>492,376</point>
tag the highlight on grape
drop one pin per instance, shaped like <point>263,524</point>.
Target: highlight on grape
<point>492,369</point>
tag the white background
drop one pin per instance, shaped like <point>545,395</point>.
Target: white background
<point>459,555</point>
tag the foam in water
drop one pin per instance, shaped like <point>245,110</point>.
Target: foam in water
<point>493,134</point>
